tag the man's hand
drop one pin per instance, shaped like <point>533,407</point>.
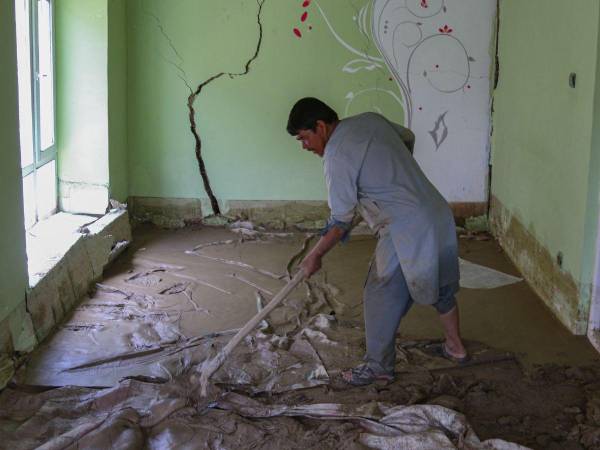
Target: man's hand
<point>310,264</point>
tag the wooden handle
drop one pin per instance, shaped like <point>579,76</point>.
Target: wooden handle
<point>211,367</point>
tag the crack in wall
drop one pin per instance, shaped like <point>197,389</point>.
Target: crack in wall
<point>192,112</point>
<point>492,106</point>
<point>497,61</point>
<point>181,74</point>
<point>194,93</point>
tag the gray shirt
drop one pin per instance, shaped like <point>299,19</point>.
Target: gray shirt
<point>369,168</point>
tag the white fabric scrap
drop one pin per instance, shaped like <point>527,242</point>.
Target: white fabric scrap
<point>475,276</point>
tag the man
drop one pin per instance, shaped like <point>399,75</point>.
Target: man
<point>369,167</point>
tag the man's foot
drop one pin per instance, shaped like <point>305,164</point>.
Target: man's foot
<point>453,348</point>
<point>363,375</point>
<point>454,357</point>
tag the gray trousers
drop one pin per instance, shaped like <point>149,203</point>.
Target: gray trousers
<point>386,301</point>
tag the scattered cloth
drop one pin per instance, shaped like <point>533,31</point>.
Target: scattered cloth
<point>475,276</point>
<point>384,426</point>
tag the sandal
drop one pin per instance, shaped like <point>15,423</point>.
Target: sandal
<point>363,375</point>
<point>456,359</point>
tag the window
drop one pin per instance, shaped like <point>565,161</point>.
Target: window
<point>35,61</point>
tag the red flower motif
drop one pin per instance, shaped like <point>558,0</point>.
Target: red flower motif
<point>304,16</point>
<point>306,3</point>
<point>297,32</point>
<point>424,4</point>
<point>445,30</point>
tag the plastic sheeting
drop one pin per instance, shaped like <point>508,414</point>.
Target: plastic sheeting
<point>137,414</point>
<point>140,331</point>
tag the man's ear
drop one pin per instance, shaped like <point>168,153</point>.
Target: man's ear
<point>320,127</point>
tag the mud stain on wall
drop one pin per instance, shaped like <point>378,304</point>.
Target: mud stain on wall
<point>557,288</point>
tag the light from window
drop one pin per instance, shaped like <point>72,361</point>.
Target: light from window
<point>29,200</point>
<point>24,74</point>
<point>46,190</point>
<point>45,74</point>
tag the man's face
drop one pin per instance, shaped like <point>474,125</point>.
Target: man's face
<point>314,141</point>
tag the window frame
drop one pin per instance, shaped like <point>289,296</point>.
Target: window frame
<point>46,156</point>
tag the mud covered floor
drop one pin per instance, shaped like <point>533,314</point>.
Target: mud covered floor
<point>175,298</point>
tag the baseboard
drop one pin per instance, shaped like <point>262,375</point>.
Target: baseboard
<point>281,214</point>
<point>165,212</point>
<point>273,214</point>
<point>464,210</point>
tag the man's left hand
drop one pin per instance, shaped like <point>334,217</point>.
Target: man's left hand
<point>311,264</point>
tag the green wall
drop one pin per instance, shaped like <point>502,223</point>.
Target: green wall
<point>91,56</point>
<point>13,268</point>
<point>82,91</point>
<point>241,121</point>
<point>542,127</point>
<point>117,98</point>
<point>592,216</point>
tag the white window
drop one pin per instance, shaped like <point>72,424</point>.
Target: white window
<point>35,60</point>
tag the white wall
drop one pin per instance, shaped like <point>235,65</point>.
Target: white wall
<point>445,77</point>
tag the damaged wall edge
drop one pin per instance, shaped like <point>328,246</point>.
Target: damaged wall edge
<point>70,279</point>
<point>61,289</point>
<point>557,288</point>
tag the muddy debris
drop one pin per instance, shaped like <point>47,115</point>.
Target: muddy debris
<point>120,369</point>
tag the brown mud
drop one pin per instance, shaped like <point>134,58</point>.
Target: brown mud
<point>175,298</point>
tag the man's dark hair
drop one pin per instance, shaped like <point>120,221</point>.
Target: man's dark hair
<point>306,112</point>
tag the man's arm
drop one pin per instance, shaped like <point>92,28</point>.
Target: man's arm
<point>312,262</point>
<point>407,136</point>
